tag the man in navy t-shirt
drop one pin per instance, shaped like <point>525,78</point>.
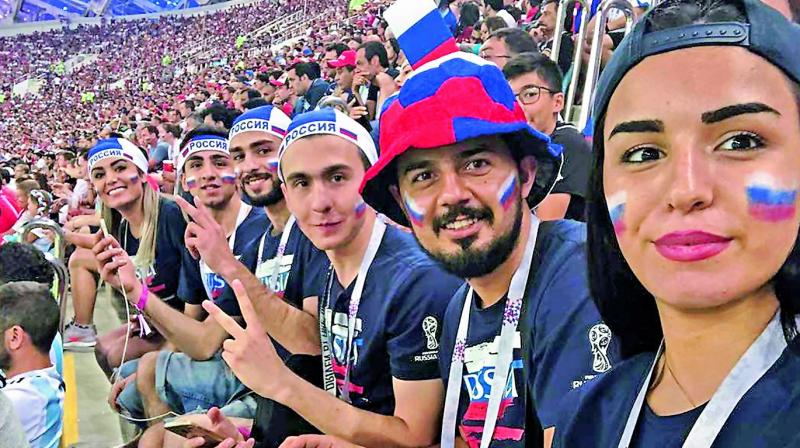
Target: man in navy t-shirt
<point>380,309</point>
<point>524,330</point>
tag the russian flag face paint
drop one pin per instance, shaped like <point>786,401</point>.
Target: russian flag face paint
<point>507,190</point>
<point>361,208</point>
<point>191,182</point>
<point>616,209</point>
<point>272,166</point>
<point>768,201</point>
<point>414,213</point>
<point>228,178</point>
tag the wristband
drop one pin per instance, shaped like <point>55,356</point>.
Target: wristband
<point>142,298</point>
<point>244,431</point>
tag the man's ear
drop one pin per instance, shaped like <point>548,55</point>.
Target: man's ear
<point>527,174</point>
<point>558,103</point>
<point>14,337</point>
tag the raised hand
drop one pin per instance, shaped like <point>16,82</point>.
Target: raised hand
<point>204,237</point>
<point>115,266</point>
<point>250,354</point>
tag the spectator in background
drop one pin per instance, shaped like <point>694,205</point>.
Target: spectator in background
<point>506,43</point>
<point>306,84</point>
<point>9,208</point>
<point>28,324</point>
<point>469,15</point>
<point>192,121</point>
<point>449,16</point>
<point>21,171</point>
<point>547,27</point>
<point>157,150</point>
<point>186,108</point>
<point>536,82</point>
<point>219,116</point>
<point>344,67</point>
<point>492,7</point>
<point>332,53</point>
<point>284,96</point>
<point>171,135</point>
<point>244,95</point>
<point>374,77</point>
<point>263,85</point>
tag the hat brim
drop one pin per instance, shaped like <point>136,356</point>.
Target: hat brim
<point>522,143</point>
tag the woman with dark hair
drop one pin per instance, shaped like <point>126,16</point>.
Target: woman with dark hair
<point>468,17</point>
<point>693,255</point>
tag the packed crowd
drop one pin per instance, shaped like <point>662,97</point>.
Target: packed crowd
<point>388,234</point>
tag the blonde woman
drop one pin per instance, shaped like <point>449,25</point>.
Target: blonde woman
<point>150,230</point>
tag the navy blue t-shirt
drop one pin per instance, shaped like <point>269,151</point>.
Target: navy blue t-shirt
<point>569,343</point>
<point>301,273</point>
<point>164,276</point>
<point>397,325</point>
<point>192,290</point>
<point>596,414</point>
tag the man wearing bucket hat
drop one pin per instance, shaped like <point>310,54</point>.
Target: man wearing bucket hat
<point>380,307</point>
<point>461,166</point>
<point>204,170</point>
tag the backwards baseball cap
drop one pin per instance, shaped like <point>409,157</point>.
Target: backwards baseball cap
<point>450,99</point>
<point>117,148</point>
<point>768,34</point>
<point>267,119</point>
<point>330,122</point>
<point>202,142</point>
<point>346,59</point>
<point>280,82</point>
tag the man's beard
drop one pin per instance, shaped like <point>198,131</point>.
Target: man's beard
<point>475,262</point>
<point>268,199</point>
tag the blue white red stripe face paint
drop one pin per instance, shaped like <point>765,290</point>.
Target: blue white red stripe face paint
<point>616,209</point>
<point>768,200</point>
<point>228,178</point>
<point>415,215</point>
<point>272,166</point>
<point>191,182</point>
<point>507,190</point>
<point>361,208</point>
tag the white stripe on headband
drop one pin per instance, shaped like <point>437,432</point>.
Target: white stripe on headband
<point>206,144</point>
<point>256,124</point>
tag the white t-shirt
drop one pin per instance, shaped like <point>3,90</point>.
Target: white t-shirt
<point>38,399</point>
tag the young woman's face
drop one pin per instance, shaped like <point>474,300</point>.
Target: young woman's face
<point>118,182</point>
<point>33,206</point>
<point>701,174</point>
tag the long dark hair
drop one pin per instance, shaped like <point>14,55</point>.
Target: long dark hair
<point>626,306</point>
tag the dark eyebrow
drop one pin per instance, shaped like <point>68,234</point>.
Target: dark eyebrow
<point>258,143</point>
<point>417,165</point>
<point>335,169</point>
<point>638,126</point>
<point>715,116</point>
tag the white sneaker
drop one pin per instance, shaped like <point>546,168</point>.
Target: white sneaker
<point>79,336</point>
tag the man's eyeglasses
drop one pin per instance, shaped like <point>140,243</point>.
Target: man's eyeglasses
<point>531,94</point>
<point>488,57</point>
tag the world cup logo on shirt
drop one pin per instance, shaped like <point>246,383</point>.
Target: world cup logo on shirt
<point>599,340</point>
<point>429,327</point>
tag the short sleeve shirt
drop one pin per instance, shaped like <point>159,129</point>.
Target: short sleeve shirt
<point>38,399</point>
<point>397,324</point>
<point>575,170</point>
<point>562,353</point>
<point>194,286</point>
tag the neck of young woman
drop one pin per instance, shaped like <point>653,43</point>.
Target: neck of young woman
<point>227,216</point>
<point>134,214</point>
<point>701,347</point>
<point>494,286</point>
<point>346,260</point>
<point>278,214</point>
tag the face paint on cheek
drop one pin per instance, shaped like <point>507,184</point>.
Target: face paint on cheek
<point>360,208</point>
<point>616,209</point>
<point>767,201</point>
<point>272,166</point>
<point>507,190</point>
<point>134,178</point>
<point>414,213</point>
<point>228,178</point>
<point>191,182</point>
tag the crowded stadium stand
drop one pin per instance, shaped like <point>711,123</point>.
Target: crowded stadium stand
<point>148,194</point>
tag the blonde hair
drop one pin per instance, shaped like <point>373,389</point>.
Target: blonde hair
<point>146,254</point>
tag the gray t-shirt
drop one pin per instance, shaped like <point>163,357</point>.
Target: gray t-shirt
<point>10,427</point>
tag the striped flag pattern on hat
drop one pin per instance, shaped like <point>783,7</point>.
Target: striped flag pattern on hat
<point>420,30</point>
